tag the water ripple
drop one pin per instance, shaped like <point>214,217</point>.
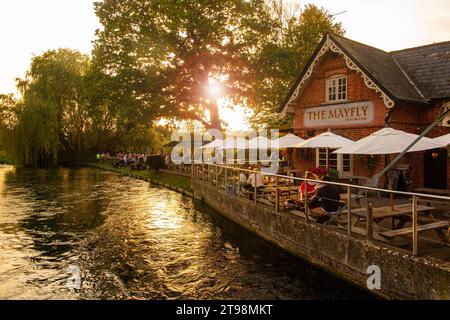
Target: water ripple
<point>131,240</point>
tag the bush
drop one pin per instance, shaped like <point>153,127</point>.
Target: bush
<point>3,158</point>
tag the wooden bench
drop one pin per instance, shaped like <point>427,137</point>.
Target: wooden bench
<point>434,202</point>
<point>437,226</point>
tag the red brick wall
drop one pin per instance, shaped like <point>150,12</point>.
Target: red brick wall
<point>407,117</point>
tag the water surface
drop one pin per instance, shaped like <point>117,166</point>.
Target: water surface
<point>132,240</point>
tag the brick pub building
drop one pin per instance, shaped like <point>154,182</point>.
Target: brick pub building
<point>354,90</point>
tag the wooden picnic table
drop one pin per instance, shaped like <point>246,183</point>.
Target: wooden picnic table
<point>355,197</point>
<point>437,192</point>
<point>403,213</point>
<point>359,180</point>
<point>400,211</point>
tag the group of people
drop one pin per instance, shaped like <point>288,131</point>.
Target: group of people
<point>254,180</point>
<point>323,195</point>
<point>135,160</point>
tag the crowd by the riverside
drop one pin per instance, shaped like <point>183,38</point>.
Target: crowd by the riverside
<point>136,161</point>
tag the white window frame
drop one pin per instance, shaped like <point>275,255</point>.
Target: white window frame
<point>333,84</point>
<point>340,163</point>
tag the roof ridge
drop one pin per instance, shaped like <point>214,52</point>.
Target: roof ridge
<point>360,43</point>
<point>420,47</point>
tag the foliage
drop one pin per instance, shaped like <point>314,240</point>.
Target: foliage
<point>8,120</point>
<point>4,159</point>
<point>295,37</point>
<point>52,115</point>
<point>333,174</point>
<point>154,59</point>
<point>65,117</point>
<point>163,53</point>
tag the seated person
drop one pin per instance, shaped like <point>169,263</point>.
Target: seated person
<point>327,198</point>
<point>255,180</point>
<point>242,179</point>
<point>312,188</point>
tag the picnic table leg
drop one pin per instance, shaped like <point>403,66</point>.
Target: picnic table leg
<point>217,178</point>
<point>369,222</point>
<point>277,198</point>
<point>414,226</point>
<point>306,202</point>
<point>442,235</point>
<point>254,190</point>
<point>239,185</point>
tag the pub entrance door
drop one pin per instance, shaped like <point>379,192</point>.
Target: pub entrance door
<point>435,169</point>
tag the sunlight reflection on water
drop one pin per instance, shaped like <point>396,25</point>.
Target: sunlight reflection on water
<point>132,240</point>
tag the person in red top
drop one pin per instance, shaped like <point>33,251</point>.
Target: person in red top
<point>311,188</point>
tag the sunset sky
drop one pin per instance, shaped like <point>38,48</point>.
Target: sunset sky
<point>29,27</point>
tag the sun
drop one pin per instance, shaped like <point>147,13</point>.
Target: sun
<point>214,89</point>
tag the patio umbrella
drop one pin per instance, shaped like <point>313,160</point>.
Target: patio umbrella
<point>213,144</point>
<point>234,143</point>
<point>388,141</point>
<point>327,140</point>
<point>443,140</point>
<point>261,142</point>
<point>288,141</point>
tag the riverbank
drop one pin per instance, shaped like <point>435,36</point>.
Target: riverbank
<point>177,183</point>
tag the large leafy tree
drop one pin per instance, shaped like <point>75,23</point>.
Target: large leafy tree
<point>162,54</point>
<point>296,34</point>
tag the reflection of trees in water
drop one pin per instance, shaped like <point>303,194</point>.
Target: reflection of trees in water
<point>60,209</point>
<point>132,240</point>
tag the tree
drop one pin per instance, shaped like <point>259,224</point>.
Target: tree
<point>8,121</point>
<point>280,61</point>
<point>164,53</point>
<point>53,116</point>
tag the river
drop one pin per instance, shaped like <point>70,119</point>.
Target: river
<point>90,234</point>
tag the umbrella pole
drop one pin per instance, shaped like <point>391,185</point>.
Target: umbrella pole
<point>327,158</point>
<point>391,194</point>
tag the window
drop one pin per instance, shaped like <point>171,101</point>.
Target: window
<point>337,89</point>
<point>339,162</point>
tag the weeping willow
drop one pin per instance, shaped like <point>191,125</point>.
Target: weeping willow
<point>36,136</point>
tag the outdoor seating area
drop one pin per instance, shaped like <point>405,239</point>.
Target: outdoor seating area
<point>351,203</point>
<point>358,215</point>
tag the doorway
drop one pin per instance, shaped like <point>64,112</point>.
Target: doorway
<point>435,169</point>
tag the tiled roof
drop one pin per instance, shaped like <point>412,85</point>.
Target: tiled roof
<point>382,67</point>
<point>414,75</point>
<point>428,67</point>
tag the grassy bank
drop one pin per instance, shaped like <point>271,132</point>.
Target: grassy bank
<point>171,181</point>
